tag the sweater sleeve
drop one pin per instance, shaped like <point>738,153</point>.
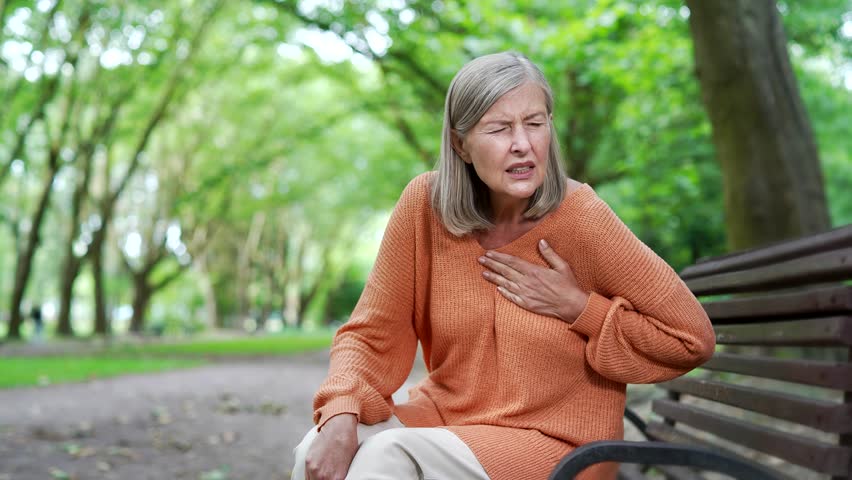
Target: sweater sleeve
<point>642,322</point>
<point>373,352</point>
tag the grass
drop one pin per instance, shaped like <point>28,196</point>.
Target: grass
<point>27,371</point>
<point>242,346</point>
<point>128,358</point>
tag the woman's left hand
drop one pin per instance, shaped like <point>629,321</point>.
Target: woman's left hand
<point>546,291</point>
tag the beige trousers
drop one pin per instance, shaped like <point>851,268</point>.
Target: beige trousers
<point>390,451</point>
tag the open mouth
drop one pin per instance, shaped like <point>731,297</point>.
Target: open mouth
<point>520,170</point>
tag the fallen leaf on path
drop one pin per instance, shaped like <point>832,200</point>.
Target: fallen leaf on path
<point>60,474</point>
<point>71,448</point>
<point>77,451</point>
<point>269,408</point>
<point>161,415</point>
<point>83,430</point>
<point>230,437</point>
<point>123,452</point>
<point>218,474</point>
<point>231,405</point>
<point>49,434</point>
<point>180,444</point>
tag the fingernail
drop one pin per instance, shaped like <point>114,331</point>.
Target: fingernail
<point>481,259</point>
<point>543,243</point>
<point>489,254</point>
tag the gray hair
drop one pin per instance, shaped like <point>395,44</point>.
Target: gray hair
<point>459,197</point>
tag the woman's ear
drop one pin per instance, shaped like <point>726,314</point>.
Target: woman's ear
<point>458,145</point>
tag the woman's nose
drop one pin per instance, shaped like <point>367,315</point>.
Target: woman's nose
<point>520,142</point>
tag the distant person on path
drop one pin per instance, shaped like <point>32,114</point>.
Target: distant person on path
<point>533,303</point>
<point>38,322</point>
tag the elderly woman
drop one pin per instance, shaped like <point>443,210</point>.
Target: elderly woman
<point>533,303</point>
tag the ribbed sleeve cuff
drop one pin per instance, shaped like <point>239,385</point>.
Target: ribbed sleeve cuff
<point>590,322</point>
<point>336,407</point>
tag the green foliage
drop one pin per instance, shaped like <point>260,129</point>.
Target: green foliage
<point>343,299</point>
<point>828,105</point>
<point>275,155</point>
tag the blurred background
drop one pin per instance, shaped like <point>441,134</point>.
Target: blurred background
<point>188,166</point>
<point>205,183</point>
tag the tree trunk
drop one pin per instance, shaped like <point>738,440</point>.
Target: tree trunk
<point>102,323</point>
<point>71,264</point>
<point>24,265</point>
<point>142,292</point>
<point>70,271</point>
<point>208,290</point>
<point>244,263</point>
<point>292,305</point>
<point>773,184</point>
<point>211,303</point>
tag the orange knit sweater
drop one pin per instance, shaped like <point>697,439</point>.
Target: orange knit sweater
<point>521,389</point>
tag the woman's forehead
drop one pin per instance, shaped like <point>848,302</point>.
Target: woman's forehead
<point>525,101</point>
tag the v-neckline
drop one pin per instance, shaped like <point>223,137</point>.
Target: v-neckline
<point>538,226</point>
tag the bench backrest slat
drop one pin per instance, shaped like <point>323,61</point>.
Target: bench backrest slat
<point>836,375</point>
<point>818,302</point>
<point>830,331</point>
<point>809,453</point>
<point>824,415</point>
<point>779,252</point>
<point>818,267</point>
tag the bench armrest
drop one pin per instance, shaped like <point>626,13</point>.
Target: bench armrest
<point>659,453</point>
<point>637,422</point>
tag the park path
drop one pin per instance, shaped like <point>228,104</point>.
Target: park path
<point>228,420</point>
<point>236,419</point>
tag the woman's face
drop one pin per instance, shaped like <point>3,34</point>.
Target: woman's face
<point>509,145</point>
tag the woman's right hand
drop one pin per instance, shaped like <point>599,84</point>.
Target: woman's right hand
<point>333,449</point>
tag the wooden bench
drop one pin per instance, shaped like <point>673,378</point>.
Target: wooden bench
<point>775,401</point>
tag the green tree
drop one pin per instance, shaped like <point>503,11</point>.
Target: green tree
<point>765,145</point>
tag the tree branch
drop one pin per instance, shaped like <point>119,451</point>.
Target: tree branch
<point>163,105</point>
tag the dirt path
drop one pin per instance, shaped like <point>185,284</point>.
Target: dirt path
<point>228,420</point>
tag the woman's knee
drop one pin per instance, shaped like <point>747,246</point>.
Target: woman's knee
<point>384,441</point>
<point>384,455</point>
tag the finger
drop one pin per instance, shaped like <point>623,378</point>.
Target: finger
<point>553,259</point>
<point>501,268</point>
<point>512,261</point>
<point>500,281</point>
<point>514,298</point>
